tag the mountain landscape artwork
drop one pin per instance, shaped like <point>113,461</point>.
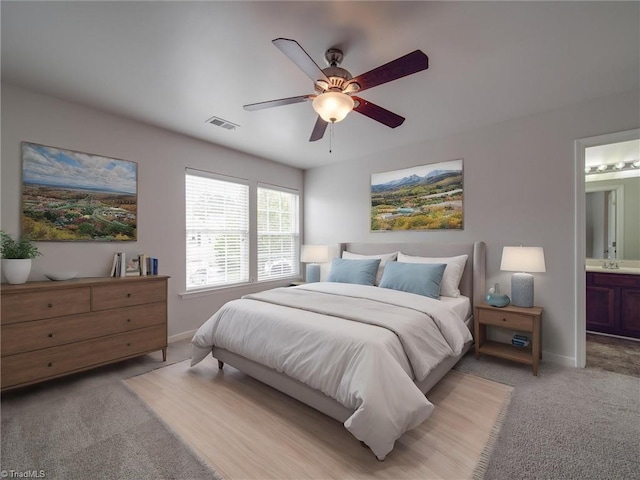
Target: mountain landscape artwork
<point>75,196</point>
<point>427,197</point>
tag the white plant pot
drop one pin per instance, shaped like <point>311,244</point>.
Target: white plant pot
<point>16,270</point>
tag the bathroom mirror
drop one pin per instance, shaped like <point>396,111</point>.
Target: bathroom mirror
<point>602,223</point>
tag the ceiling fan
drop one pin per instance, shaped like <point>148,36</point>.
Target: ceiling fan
<point>335,87</point>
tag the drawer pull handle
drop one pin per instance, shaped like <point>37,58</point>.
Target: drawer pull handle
<point>50,364</point>
<point>50,305</point>
<point>128,320</point>
<point>504,319</point>
<point>128,344</point>
<point>128,294</point>
<point>50,335</point>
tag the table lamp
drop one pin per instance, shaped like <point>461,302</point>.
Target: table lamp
<point>522,260</point>
<point>312,255</point>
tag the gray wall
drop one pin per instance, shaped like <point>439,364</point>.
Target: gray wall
<point>162,157</point>
<point>519,180</point>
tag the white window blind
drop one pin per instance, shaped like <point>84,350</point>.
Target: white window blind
<point>278,233</point>
<point>217,221</point>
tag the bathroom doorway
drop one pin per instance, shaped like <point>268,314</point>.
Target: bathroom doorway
<point>599,162</point>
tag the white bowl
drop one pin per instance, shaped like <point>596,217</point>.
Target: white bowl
<point>61,275</point>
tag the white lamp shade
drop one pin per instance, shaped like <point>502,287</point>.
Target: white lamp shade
<point>314,254</point>
<point>333,106</point>
<point>523,259</point>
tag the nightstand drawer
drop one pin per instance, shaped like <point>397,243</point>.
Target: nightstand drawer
<point>507,320</point>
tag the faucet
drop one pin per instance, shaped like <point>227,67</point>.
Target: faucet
<point>611,264</point>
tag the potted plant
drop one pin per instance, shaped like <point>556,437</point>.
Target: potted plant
<point>16,257</point>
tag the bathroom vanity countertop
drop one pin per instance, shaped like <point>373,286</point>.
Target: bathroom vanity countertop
<point>625,270</point>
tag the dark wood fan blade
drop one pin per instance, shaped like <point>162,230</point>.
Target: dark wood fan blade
<point>301,58</point>
<point>277,103</point>
<point>378,113</point>
<point>400,67</point>
<point>318,129</point>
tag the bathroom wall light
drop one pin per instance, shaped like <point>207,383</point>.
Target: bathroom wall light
<point>621,166</point>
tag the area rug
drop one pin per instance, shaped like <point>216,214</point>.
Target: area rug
<point>244,429</point>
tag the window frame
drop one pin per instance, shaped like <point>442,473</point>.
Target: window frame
<point>252,212</point>
<point>244,269</point>
<point>294,260</point>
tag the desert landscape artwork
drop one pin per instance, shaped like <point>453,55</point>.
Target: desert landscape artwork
<point>75,196</point>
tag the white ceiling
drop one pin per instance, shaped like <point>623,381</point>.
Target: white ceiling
<point>176,64</point>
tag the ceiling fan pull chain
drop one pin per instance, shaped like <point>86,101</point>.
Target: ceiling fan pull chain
<point>330,135</point>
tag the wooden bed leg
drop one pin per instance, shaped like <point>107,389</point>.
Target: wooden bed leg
<point>220,364</point>
<point>164,354</point>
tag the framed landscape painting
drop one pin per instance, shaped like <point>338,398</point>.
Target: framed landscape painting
<point>428,197</point>
<point>75,196</point>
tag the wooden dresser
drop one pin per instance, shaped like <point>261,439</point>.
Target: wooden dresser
<point>51,329</point>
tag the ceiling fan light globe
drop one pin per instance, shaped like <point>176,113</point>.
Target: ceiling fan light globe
<point>333,106</point>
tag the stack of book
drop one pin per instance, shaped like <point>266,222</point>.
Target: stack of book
<point>520,340</point>
<point>128,265</point>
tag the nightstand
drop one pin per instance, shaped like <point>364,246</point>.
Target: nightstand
<point>511,318</point>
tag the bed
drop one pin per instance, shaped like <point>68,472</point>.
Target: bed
<point>363,355</point>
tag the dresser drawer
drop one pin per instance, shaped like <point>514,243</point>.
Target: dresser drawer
<point>126,294</point>
<point>22,307</point>
<point>28,336</point>
<point>35,366</point>
<point>511,320</point>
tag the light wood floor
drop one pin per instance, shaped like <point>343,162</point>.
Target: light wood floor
<point>245,429</point>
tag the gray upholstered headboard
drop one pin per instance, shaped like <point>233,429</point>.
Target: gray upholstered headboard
<point>472,284</point>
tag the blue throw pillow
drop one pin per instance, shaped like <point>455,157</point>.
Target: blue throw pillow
<point>354,271</point>
<point>421,278</point>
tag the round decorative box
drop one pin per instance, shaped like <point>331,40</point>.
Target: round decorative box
<point>498,300</point>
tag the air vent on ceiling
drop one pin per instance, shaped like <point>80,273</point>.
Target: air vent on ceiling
<point>219,122</point>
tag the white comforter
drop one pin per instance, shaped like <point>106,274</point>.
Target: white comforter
<point>361,345</point>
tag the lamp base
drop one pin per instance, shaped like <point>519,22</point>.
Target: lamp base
<point>522,290</point>
<point>313,273</point>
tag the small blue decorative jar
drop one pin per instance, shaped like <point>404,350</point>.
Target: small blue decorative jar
<point>497,299</point>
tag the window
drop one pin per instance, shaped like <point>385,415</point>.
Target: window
<point>217,229</point>
<point>278,233</point>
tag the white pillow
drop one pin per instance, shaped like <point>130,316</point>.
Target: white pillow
<point>452,274</point>
<point>384,258</point>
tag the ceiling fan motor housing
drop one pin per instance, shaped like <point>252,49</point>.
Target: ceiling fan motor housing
<point>338,76</point>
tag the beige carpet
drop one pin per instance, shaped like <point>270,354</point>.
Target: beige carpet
<point>246,430</point>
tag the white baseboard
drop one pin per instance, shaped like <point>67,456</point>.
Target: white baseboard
<point>559,359</point>
<point>181,336</point>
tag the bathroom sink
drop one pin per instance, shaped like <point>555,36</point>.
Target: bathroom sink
<point>626,270</point>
